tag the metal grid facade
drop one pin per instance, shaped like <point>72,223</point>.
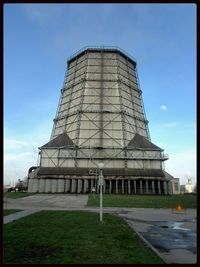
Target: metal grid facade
<point>101,111</point>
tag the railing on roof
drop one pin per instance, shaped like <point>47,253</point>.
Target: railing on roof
<point>102,47</point>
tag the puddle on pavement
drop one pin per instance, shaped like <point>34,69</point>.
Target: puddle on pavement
<point>170,235</point>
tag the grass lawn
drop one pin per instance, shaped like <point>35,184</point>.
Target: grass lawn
<point>144,201</point>
<point>59,237</point>
<point>9,211</point>
<point>17,194</point>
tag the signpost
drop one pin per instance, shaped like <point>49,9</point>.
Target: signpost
<point>101,165</point>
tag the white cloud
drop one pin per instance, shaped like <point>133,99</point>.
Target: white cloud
<point>24,156</point>
<point>16,166</point>
<point>19,156</point>
<point>21,152</point>
<point>163,108</point>
<point>14,144</point>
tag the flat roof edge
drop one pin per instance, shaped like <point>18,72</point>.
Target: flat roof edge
<point>99,48</point>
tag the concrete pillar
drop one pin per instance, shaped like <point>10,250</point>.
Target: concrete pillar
<point>35,185</point>
<point>165,188</point>
<point>147,188</point>
<point>61,185</point>
<point>80,183</point>
<point>140,186</point>
<point>129,186</point>
<point>122,186</point>
<point>169,188</point>
<point>85,190</point>
<point>54,184</point>
<point>153,187</point>
<point>30,185</point>
<point>159,189</point>
<point>73,185</point>
<point>92,185</point>
<point>67,185</point>
<point>48,186</point>
<point>116,186</point>
<point>135,187</point>
<point>110,186</point>
<point>41,185</point>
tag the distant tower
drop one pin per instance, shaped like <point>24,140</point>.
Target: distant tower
<point>100,118</point>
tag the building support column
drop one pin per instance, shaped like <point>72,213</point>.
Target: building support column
<point>159,189</point>
<point>42,186</point>
<point>85,190</point>
<point>67,185</point>
<point>129,187</point>
<point>169,188</point>
<point>140,186</point>
<point>54,186</point>
<point>110,186</point>
<point>79,189</point>
<point>135,187</point>
<point>122,186</point>
<point>116,186</point>
<point>153,187</point>
<point>92,185</point>
<point>48,185</point>
<point>147,188</point>
<point>30,185</point>
<point>165,188</point>
<point>73,185</point>
<point>35,185</point>
<point>61,185</point>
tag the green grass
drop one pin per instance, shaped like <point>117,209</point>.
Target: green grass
<point>10,211</point>
<point>17,194</point>
<point>59,237</point>
<point>142,201</point>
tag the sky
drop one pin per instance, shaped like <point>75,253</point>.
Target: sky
<point>38,39</point>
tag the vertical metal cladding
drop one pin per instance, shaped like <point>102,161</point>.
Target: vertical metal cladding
<point>100,118</point>
<point>101,101</point>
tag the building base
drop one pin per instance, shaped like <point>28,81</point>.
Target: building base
<point>111,186</point>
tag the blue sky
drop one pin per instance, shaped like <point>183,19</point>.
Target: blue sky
<point>38,39</point>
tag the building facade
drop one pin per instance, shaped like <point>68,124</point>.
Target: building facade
<point>101,118</point>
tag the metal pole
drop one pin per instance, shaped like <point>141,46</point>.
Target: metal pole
<point>101,197</point>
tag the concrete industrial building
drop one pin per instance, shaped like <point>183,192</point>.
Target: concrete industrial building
<point>101,118</point>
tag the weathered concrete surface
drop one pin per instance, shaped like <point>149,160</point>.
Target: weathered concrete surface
<point>20,214</point>
<point>170,235</point>
<point>43,201</point>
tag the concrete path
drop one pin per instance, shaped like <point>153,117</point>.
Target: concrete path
<point>15,216</point>
<point>171,235</point>
<point>48,200</point>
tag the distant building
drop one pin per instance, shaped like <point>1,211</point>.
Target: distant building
<point>189,188</point>
<point>174,182</point>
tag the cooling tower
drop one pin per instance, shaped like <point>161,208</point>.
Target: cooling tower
<point>100,118</point>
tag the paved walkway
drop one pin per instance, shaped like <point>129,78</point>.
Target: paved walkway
<point>15,216</point>
<point>171,235</point>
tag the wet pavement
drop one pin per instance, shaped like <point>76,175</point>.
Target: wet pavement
<point>166,236</point>
<point>174,241</point>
